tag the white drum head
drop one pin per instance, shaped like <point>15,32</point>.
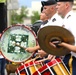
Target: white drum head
<point>20,35</point>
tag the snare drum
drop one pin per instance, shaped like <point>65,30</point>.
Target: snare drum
<point>21,35</point>
<point>54,67</point>
<point>28,68</point>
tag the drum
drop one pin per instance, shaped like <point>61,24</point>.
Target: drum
<point>14,36</point>
<point>29,68</point>
<point>54,67</point>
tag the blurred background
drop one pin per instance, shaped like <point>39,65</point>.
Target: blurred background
<point>20,12</point>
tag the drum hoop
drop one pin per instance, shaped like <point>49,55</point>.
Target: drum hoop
<point>29,64</point>
<point>53,62</point>
<point>26,28</point>
<point>21,26</point>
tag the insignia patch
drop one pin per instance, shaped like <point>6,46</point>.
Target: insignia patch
<point>68,16</point>
<point>53,20</point>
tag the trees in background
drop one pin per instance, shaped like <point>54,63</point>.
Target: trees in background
<point>18,17</point>
<point>35,16</point>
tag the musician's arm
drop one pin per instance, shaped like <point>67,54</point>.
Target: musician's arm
<point>68,46</point>
<point>32,49</point>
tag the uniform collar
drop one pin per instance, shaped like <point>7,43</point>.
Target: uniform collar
<point>53,17</point>
<point>68,14</point>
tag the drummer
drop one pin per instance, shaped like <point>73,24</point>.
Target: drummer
<point>38,23</point>
<point>43,16</point>
<point>49,8</point>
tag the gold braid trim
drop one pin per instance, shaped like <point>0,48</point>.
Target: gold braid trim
<point>70,64</point>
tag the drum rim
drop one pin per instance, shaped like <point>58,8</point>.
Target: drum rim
<point>24,27</point>
<point>29,64</point>
<point>18,25</point>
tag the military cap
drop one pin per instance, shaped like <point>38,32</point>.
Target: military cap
<point>64,0</point>
<point>48,2</point>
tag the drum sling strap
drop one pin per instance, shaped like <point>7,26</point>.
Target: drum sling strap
<point>70,64</point>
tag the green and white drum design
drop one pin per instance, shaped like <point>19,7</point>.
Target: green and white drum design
<point>21,35</point>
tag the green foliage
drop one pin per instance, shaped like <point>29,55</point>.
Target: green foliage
<point>19,17</point>
<point>35,16</point>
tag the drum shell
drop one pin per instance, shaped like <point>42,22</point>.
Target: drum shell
<point>55,67</point>
<point>29,68</point>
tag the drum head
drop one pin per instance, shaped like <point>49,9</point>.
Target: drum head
<point>20,35</point>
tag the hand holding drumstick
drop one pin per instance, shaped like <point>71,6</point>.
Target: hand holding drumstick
<point>33,49</point>
<point>29,49</point>
<point>50,57</point>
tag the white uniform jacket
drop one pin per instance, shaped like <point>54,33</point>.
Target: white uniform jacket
<point>69,23</point>
<point>56,20</point>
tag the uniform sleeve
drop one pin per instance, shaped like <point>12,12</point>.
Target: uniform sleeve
<point>71,26</point>
<point>73,29</point>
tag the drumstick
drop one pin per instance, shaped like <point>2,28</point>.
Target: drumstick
<point>32,59</point>
<point>43,60</point>
<point>19,45</point>
<point>47,59</point>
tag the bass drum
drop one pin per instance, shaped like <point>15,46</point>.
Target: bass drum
<point>28,68</point>
<point>20,35</point>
